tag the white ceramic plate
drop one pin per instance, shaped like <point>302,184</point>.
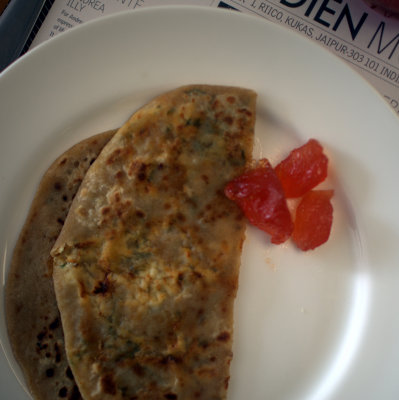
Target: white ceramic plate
<point>317,325</point>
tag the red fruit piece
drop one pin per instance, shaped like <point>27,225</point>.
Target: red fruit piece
<point>303,169</point>
<point>259,193</point>
<point>313,219</point>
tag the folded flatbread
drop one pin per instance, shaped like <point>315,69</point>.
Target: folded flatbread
<point>33,320</point>
<point>146,266</point>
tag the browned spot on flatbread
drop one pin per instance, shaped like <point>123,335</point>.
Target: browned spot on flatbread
<point>223,337</point>
<point>108,384</point>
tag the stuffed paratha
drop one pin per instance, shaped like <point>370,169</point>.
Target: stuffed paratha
<point>147,263</point>
<point>33,320</point>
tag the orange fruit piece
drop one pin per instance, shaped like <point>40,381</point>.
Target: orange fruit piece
<point>313,219</point>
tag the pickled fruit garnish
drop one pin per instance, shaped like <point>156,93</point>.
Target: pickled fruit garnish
<point>262,194</point>
<point>303,169</point>
<point>313,219</point>
<point>259,194</point>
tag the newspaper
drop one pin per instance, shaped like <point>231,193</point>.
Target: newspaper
<point>368,41</point>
